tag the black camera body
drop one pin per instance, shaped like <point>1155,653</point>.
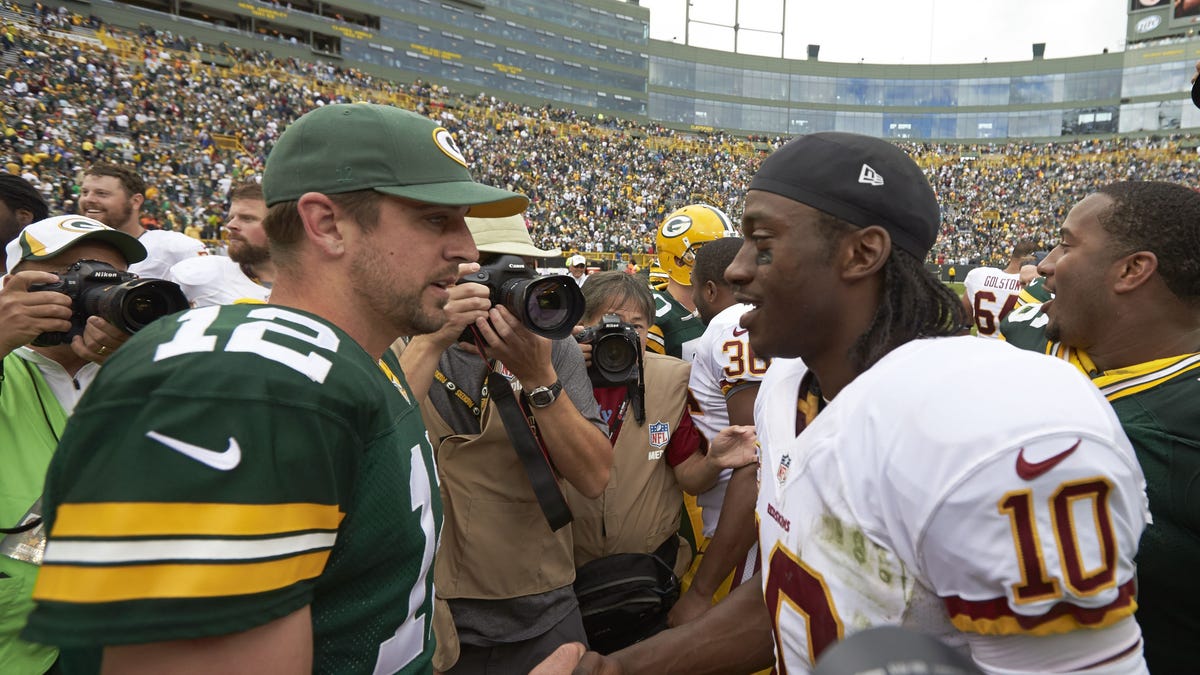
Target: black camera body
<point>549,306</point>
<point>616,351</point>
<point>121,298</point>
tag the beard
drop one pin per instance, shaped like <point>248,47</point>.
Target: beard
<point>115,219</point>
<point>245,253</point>
<point>399,308</point>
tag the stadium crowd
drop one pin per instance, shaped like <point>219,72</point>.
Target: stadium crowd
<point>191,129</point>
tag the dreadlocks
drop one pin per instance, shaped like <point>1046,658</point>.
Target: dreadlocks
<point>913,305</point>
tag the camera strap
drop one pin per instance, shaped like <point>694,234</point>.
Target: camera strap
<point>531,451</point>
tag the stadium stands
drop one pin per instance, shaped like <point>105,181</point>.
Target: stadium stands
<point>194,118</point>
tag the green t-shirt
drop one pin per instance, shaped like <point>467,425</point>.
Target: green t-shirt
<point>1156,403</point>
<point>675,327</point>
<point>30,420</point>
<point>229,466</point>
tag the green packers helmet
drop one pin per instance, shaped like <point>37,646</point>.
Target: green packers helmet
<point>684,231</point>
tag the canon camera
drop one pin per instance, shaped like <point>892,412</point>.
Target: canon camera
<point>121,298</point>
<point>616,351</point>
<point>549,306</point>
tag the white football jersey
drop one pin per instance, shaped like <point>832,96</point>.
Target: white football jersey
<point>215,280</point>
<point>903,504</point>
<point>723,363</point>
<point>993,293</point>
<point>164,249</point>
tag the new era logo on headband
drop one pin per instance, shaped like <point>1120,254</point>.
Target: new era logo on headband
<point>869,176</point>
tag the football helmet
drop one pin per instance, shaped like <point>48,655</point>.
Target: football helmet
<point>684,231</point>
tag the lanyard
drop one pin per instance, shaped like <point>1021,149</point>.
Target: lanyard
<point>465,398</point>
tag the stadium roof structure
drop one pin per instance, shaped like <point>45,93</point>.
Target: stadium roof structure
<point>596,56</point>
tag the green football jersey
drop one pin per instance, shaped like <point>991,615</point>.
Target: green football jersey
<point>1025,327</point>
<point>229,466</point>
<point>675,328</point>
<point>1034,293</point>
<point>1156,403</point>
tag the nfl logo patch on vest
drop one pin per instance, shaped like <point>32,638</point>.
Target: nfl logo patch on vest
<point>660,434</point>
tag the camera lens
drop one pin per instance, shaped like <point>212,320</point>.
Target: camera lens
<point>143,306</point>
<point>612,354</point>
<point>149,299</point>
<point>553,306</point>
<point>132,305</point>
<point>546,305</point>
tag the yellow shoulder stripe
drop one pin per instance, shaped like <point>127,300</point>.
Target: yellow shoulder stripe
<point>80,584</point>
<point>139,519</point>
<point>1117,384</point>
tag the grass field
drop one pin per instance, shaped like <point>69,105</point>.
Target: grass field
<point>956,287</point>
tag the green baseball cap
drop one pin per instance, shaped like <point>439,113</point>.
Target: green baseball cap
<point>363,146</point>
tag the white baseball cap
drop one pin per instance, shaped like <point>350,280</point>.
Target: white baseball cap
<point>576,260</point>
<point>48,237</point>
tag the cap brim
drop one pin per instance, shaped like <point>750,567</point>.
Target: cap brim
<point>485,201</point>
<point>523,250</point>
<point>131,248</point>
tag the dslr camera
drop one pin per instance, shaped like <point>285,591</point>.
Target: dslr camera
<point>549,306</point>
<point>121,298</point>
<point>616,351</point>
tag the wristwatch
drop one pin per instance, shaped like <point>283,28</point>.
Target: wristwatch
<point>544,396</point>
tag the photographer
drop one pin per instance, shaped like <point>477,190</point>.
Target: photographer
<point>39,388</point>
<point>643,398</point>
<point>505,574</point>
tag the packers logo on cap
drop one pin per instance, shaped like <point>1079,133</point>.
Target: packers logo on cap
<point>80,225</point>
<point>677,226</point>
<point>445,143</point>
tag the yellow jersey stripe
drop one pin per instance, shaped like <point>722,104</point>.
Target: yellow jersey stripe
<point>996,616</point>
<point>1008,625</point>
<point>141,519</point>
<point>76,584</point>
<point>1116,384</point>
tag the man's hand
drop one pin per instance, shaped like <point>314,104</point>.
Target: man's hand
<point>734,447</point>
<point>25,315</point>
<point>594,663</point>
<point>561,661</point>
<point>99,340</point>
<point>586,349</point>
<point>468,302</point>
<point>525,354</point>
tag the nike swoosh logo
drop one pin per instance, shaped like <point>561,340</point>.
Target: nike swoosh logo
<point>225,460</point>
<point>1029,470</point>
<point>740,331</point>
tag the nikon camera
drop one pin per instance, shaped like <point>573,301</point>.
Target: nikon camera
<point>549,306</point>
<point>616,351</point>
<point>121,298</point>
